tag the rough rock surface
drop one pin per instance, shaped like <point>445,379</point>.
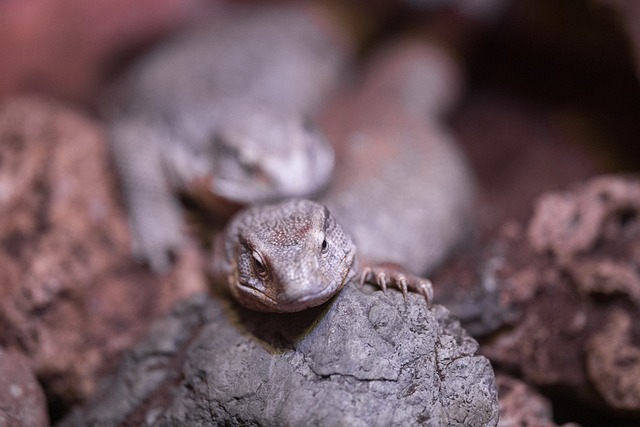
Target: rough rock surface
<point>567,287</point>
<point>71,298</point>
<point>613,362</point>
<point>521,405</point>
<point>366,358</point>
<point>22,401</point>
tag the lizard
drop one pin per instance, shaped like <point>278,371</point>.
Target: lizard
<point>293,255</point>
<point>228,101</point>
<point>401,190</point>
<point>401,186</point>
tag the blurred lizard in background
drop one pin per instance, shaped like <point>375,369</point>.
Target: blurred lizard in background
<point>401,186</point>
<point>229,100</point>
<point>402,193</point>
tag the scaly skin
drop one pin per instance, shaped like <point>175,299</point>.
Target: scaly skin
<point>293,255</point>
<point>230,100</point>
<point>401,187</point>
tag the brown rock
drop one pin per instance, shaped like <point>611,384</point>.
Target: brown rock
<point>521,405</point>
<point>575,330</point>
<point>23,402</point>
<point>589,232</point>
<point>566,289</point>
<point>613,362</point>
<point>71,297</point>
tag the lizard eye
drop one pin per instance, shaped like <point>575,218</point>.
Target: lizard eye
<point>324,246</point>
<point>259,266</point>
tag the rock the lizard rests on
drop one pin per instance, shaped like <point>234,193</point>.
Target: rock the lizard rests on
<point>293,255</point>
<point>230,99</point>
<point>368,361</point>
<point>401,187</point>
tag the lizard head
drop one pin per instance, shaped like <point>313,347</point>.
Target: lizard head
<point>288,256</point>
<point>261,155</point>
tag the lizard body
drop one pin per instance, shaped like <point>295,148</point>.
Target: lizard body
<point>229,99</point>
<point>401,191</point>
<point>401,187</point>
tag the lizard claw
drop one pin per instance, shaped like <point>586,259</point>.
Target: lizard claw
<point>366,271</point>
<point>401,280</point>
<point>425,287</point>
<point>381,280</point>
<point>377,276</point>
<point>382,276</point>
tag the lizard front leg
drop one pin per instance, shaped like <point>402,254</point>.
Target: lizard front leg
<point>154,212</point>
<point>383,275</point>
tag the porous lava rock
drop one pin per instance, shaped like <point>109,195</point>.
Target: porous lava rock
<point>23,401</point>
<point>365,358</point>
<point>71,298</point>
<point>564,290</point>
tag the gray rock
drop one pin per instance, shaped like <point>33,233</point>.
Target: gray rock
<point>364,359</point>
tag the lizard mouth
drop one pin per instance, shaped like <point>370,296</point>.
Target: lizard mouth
<point>256,294</point>
<point>258,300</point>
<point>322,296</point>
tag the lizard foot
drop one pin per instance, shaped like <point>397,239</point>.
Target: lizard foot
<point>383,276</point>
<point>158,252</point>
<point>157,238</point>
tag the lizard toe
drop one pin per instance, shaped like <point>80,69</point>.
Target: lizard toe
<point>382,276</point>
<point>401,281</point>
<point>381,280</point>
